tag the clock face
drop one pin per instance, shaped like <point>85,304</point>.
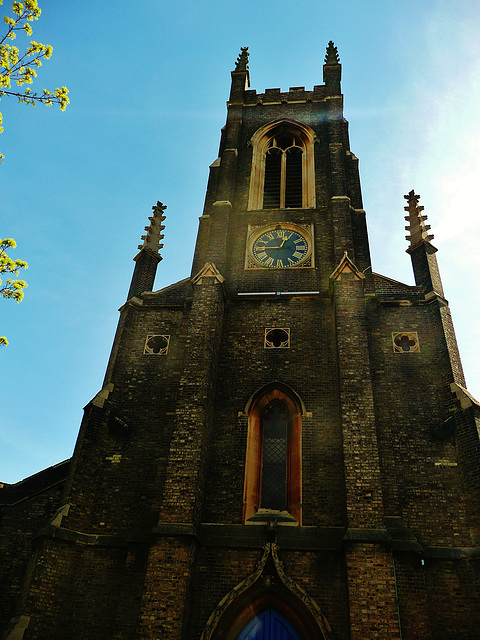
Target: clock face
<point>280,247</point>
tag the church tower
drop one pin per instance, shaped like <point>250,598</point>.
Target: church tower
<point>283,447</point>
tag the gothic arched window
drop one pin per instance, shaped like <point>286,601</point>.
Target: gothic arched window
<point>282,174</point>
<point>273,465</point>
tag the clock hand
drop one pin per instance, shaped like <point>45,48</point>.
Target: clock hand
<point>285,238</point>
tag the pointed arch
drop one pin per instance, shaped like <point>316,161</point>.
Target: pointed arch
<point>283,171</point>
<point>277,384</point>
<point>273,466</point>
<point>267,588</point>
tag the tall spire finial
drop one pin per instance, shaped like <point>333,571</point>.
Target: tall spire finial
<point>417,227</point>
<point>242,60</point>
<point>151,240</point>
<point>332,57</point>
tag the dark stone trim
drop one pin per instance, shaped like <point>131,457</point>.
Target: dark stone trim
<point>407,545</point>
<point>173,529</point>
<point>77,537</point>
<point>255,537</point>
<point>367,535</point>
<point>452,553</point>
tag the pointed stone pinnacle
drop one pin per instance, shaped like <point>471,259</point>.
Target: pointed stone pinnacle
<point>417,227</point>
<point>332,56</point>
<point>242,60</point>
<point>151,240</point>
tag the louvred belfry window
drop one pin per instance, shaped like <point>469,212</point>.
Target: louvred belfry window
<point>283,174</point>
<point>283,186</point>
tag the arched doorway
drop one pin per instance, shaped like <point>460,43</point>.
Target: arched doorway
<point>267,605</point>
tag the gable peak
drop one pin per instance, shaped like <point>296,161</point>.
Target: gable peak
<point>346,266</point>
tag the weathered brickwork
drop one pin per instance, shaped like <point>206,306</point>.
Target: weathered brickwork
<point>24,509</point>
<point>230,567</point>
<point>308,364</point>
<point>411,404</point>
<point>371,591</point>
<point>412,596</point>
<point>62,607</point>
<point>159,527</point>
<point>165,608</point>
<point>453,592</point>
<point>323,576</point>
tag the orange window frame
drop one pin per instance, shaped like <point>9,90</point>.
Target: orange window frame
<point>253,466</point>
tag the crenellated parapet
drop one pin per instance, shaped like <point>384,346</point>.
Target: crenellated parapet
<point>241,94</point>
<point>294,95</point>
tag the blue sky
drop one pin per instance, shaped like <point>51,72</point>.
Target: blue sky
<point>148,89</point>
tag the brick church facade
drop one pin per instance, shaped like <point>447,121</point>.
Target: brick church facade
<point>284,447</point>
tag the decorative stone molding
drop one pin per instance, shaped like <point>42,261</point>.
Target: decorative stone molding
<point>269,550</point>
<point>405,342</point>
<point>132,302</point>
<point>56,521</point>
<point>346,266</point>
<point>277,338</point>
<point>222,606</point>
<point>102,395</point>
<point>151,240</point>
<point>416,221</point>
<point>465,397</point>
<point>260,141</point>
<point>310,604</point>
<point>156,345</point>
<point>209,270</point>
<point>242,60</point>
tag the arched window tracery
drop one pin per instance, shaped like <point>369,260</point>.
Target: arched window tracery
<point>282,174</point>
